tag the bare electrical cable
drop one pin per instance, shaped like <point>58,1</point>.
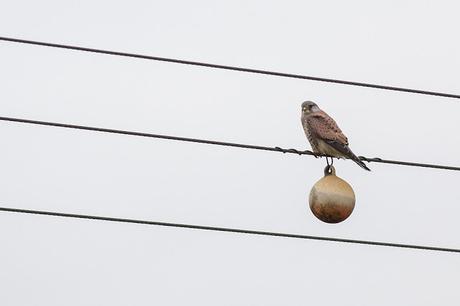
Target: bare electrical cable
<point>226,229</point>
<point>226,67</point>
<point>219,143</point>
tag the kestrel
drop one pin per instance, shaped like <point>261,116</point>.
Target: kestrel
<point>324,134</point>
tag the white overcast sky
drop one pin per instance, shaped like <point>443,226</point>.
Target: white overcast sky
<point>55,261</point>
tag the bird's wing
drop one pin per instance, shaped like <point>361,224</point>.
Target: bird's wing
<point>325,128</point>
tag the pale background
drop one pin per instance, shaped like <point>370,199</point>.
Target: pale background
<point>55,261</point>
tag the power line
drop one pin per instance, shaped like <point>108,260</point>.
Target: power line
<point>233,68</point>
<point>218,143</point>
<point>226,229</point>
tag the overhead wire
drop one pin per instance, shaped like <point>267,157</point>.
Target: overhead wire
<point>229,144</point>
<point>227,67</point>
<point>227,229</point>
<point>218,143</point>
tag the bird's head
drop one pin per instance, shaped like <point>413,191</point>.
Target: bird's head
<point>309,107</point>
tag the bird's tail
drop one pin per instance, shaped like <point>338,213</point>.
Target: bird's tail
<point>358,161</point>
<point>346,152</point>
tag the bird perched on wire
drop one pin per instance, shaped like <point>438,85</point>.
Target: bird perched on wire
<point>324,134</point>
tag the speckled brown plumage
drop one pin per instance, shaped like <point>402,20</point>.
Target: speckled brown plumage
<point>324,134</point>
